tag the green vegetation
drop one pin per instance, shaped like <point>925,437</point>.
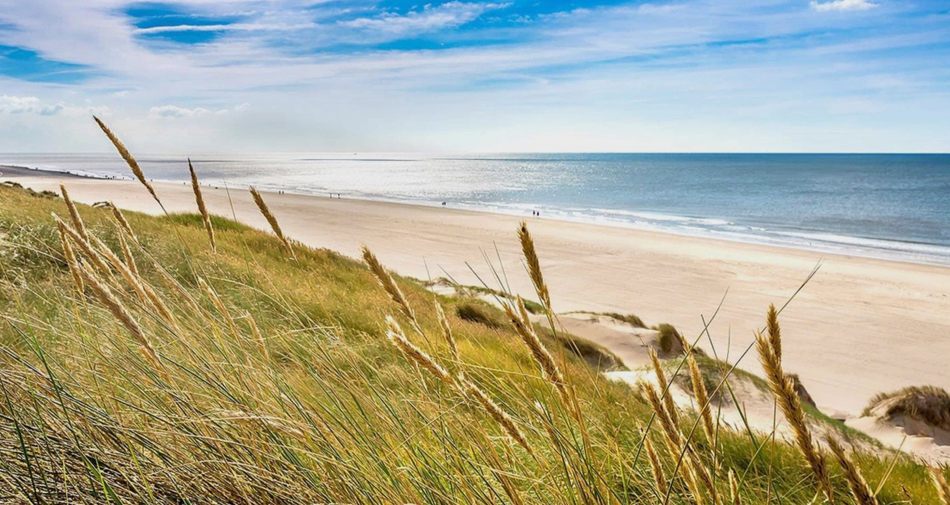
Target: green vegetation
<point>276,382</point>
<point>670,340</point>
<point>929,404</point>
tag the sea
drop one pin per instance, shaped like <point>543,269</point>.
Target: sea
<point>891,206</point>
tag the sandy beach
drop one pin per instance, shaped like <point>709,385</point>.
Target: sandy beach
<point>861,326</point>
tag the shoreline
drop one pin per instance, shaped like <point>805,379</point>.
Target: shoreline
<point>860,327</point>
<point>811,238</point>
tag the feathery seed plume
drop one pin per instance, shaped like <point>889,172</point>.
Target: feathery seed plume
<point>496,412</point>
<point>519,317</point>
<point>258,338</point>
<point>145,292</point>
<point>129,259</point>
<point>127,156</point>
<point>120,217</point>
<point>784,390</point>
<point>856,483</point>
<point>415,354</point>
<point>74,213</point>
<point>734,488</point>
<point>199,199</point>
<point>389,284</point>
<point>447,331</point>
<point>71,261</point>
<point>122,314</point>
<point>534,265</point>
<point>702,397</point>
<point>265,210</point>
<point>943,489</point>
<point>774,331</point>
<point>658,478</point>
<point>83,244</point>
<point>664,386</point>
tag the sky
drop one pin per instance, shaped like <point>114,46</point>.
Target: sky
<point>476,76</point>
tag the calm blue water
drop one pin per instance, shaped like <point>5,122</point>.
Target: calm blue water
<point>892,206</point>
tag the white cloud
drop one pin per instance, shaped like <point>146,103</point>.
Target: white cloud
<point>28,104</point>
<point>430,18</point>
<point>172,111</point>
<point>843,5</point>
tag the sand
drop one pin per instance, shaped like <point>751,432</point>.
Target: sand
<point>861,326</point>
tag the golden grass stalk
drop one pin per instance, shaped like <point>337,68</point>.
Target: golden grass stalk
<point>447,331</point>
<point>389,284</point>
<point>120,217</point>
<point>500,416</point>
<point>185,295</point>
<point>145,292</point>
<point>71,261</point>
<point>702,397</point>
<point>784,390</point>
<point>943,489</point>
<point>664,386</point>
<point>265,210</point>
<point>122,314</point>
<point>673,439</point>
<point>774,331</point>
<point>129,259</point>
<point>83,244</point>
<point>74,213</point>
<point>414,354</point>
<point>219,304</point>
<point>856,483</point>
<point>273,423</point>
<point>258,338</point>
<point>658,478</point>
<point>199,199</point>
<point>519,317</point>
<point>127,156</point>
<point>534,265</point>
<point>734,488</point>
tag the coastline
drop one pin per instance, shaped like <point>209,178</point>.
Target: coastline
<point>860,327</point>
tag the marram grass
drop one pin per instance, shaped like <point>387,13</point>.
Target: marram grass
<point>305,400</point>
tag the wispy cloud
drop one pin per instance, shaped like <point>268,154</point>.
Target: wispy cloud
<point>480,75</point>
<point>447,15</point>
<point>843,5</point>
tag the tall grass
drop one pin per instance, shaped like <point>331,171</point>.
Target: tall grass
<point>278,381</point>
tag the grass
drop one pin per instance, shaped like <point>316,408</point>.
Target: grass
<point>929,404</point>
<point>669,340</point>
<point>317,405</point>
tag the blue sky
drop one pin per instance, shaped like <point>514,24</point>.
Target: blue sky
<point>498,75</point>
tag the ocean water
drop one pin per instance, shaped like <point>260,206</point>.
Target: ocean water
<point>893,206</point>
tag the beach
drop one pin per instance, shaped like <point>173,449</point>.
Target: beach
<point>859,327</point>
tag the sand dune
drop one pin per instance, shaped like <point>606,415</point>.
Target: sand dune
<point>860,327</point>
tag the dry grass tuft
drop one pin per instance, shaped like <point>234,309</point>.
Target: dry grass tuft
<point>122,314</point>
<point>664,386</point>
<point>534,265</point>
<point>447,331</point>
<point>519,317</point>
<point>199,199</point>
<point>859,487</point>
<point>123,222</point>
<point>129,159</point>
<point>71,261</point>
<point>74,213</point>
<point>929,404</point>
<point>271,219</point>
<point>774,331</point>
<point>943,489</point>
<point>784,390</point>
<point>656,467</point>
<point>389,284</point>
<point>702,397</point>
